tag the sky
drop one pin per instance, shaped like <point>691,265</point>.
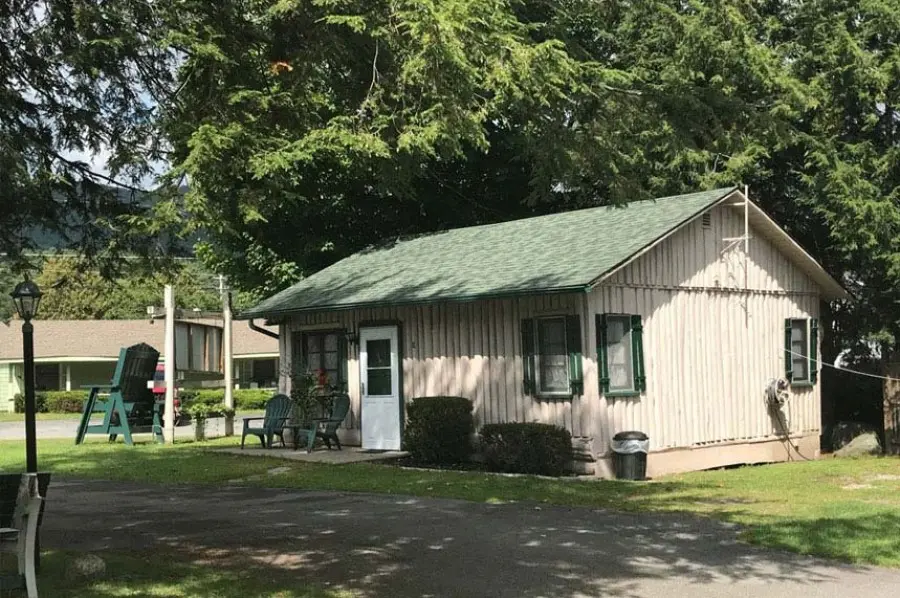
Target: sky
<point>98,163</point>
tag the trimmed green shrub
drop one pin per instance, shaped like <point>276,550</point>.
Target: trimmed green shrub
<point>439,430</point>
<point>187,396</point>
<point>250,399</point>
<point>54,401</point>
<point>65,401</point>
<point>19,403</point>
<point>203,411</point>
<point>72,401</point>
<point>527,448</point>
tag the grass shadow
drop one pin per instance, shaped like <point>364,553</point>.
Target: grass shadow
<point>175,574</point>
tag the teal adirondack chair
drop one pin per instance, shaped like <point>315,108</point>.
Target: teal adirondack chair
<point>127,404</point>
<point>278,413</point>
<point>327,429</point>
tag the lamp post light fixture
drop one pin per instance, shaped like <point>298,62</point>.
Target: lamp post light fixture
<point>27,297</point>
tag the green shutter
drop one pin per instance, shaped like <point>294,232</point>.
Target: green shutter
<point>602,364</point>
<point>637,354</point>
<point>788,362</point>
<point>342,361</point>
<point>813,350</point>
<point>300,357</point>
<point>528,356</point>
<point>573,346</point>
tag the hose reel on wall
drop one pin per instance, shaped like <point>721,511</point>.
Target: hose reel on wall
<point>777,393</point>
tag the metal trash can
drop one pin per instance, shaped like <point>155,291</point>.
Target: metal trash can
<point>630,455</point>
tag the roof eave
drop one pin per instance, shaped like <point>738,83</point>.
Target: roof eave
<point>277,314</point>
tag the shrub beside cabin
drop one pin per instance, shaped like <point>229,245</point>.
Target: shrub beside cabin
<point>648,317</point>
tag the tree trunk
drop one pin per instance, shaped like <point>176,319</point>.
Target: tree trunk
<point>891,437</point>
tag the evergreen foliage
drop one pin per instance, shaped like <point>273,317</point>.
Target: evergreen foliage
<point>307,130</point>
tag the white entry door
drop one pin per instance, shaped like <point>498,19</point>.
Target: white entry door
<point>379,375</point>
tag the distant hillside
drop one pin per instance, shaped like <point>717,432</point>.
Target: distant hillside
<point>77,229</point>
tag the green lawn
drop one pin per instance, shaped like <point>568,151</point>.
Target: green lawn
<point>173,574</point>
<point>847,509</point>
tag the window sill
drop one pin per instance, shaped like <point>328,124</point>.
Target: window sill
<point>803,384</point>
<point>553,395</point>
<point>622,394</point>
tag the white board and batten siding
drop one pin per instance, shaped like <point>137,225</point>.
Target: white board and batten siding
<point>461,349</point>
<point>713,338</point>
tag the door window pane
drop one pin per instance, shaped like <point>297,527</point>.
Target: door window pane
<point>379,382</point>
<point>379,353</point>
<point>553,360</point>
<point>618,353</point>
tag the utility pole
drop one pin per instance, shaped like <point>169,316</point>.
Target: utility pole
<point>169,414</point>
<point>227,367</point>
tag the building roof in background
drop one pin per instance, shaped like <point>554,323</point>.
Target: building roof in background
<point>101,339</point>
<point>564,252</point>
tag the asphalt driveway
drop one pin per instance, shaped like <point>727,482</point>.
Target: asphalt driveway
<point>66,428</point>
<point>379,545</point>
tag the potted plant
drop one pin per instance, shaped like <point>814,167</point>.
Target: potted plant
<point>200,412</point>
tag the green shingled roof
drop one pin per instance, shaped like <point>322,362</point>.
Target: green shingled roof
<point>545,254</point>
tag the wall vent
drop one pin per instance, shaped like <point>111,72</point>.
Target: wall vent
<point>706,220</point>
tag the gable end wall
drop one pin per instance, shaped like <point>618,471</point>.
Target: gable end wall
<point>710,345</point>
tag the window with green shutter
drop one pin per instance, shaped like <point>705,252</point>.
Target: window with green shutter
<point>620,354</point>
<point>552,356</point>
<point>801,341</point>
<point>528,385</point>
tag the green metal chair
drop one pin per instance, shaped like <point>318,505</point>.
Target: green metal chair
<point>278,412</point>
<point>327,431</point>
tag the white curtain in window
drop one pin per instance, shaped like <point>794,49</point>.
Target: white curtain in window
<point>618,353</point>
<point>799,350</point>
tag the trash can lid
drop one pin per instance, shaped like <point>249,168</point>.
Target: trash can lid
<point>631,435</point>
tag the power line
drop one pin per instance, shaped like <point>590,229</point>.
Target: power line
<point>843,369</point>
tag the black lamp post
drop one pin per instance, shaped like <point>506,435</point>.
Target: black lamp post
<point>27,297</point>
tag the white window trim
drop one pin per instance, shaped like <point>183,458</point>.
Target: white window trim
<point>806,355</point>
<point>629,354</point>
<point>537,359</point>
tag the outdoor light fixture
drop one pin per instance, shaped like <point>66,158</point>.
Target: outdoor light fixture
<point>27,297</point>
<point>352,337</point>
